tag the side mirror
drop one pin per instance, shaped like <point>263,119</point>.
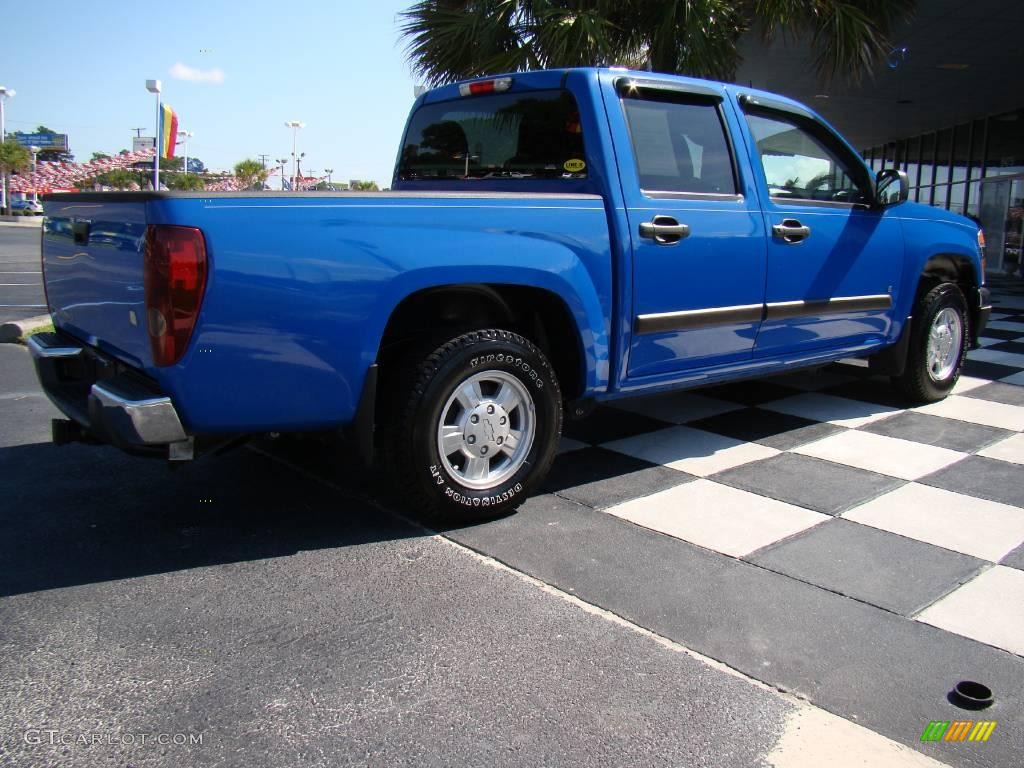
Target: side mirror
<point>891,187</point>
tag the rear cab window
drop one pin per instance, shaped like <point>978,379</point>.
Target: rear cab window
<point>680,144</point>
<point>506,137</point>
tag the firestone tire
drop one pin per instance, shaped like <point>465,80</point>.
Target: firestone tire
<point>480,419</point>
<point>938,345</point>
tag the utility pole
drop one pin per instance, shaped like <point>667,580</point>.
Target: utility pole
<point>138,132</point>
<point>263,159</point>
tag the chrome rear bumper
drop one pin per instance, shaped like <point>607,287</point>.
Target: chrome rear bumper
<point>106,399</point>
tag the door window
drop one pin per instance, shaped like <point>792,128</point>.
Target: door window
<point>680,146</point>
<point>799,164</point>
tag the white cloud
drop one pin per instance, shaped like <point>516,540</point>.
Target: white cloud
<point>184,72</point>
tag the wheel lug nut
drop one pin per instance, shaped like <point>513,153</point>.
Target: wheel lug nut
<point>471,439</point>
<point>483,451</point>
<point>499,441</point>
<point>490,409</point>
<point>474,418</point>
<point>502,420</point>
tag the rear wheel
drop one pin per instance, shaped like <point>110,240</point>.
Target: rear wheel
<point>479,424</point>
<point>938,345</point>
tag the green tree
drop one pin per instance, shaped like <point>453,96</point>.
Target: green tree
<point>120,178</point>
<point>251,173</point>
<point>189,183</point>
<point>14,158</point>
<point>100,156</point>
<point>456,39</point>
<point>365,186</point>
<point>172,163</point>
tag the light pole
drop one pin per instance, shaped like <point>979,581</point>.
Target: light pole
<point>35,192</point>
<point>153,86</point>
<point>294,125</point>
<point>329,171</point>
<point>5,93</point>
<point>282,161</point>
<point>185,136</point>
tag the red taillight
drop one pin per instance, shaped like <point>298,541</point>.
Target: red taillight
<point>498,85</point>
<point>175,279</point>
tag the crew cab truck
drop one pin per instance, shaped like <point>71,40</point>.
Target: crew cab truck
<point>553,239</point>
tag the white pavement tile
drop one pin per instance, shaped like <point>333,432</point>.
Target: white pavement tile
<point>878,453</point>
<point>718,517</point>
<point>977,411</point>
<point>567,444</point>
<point>1010,449</point>
<point>691,450</point>
<point>1006,325</point>
<point>677,407</point>
<point>1016,378</point>
<point>1002,300</point>
<point>967,383</point>
<point>836,410</point>
<point>983,609</point>
<point>984,341</point>
<point>996,356</point>
<point>977,527</point>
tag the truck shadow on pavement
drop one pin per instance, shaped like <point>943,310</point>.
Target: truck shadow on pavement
<point>83,514</point>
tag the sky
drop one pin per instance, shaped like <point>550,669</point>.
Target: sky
<point>339,67</point>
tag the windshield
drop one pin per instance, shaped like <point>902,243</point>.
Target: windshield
<point>533,135</point>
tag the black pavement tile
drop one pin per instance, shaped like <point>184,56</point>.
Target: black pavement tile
<point>776,430</point>
<point>998,333</point>
<point>982,370</point>
<point>870,390</point>
<point>871,666</point>
<point>809,482</point>
<point>1015,559</point>
<point>893,572</point>
<point>606,424</point>
<point>982,478</point>
<point>601,478</point>
<point>751,392</point>
<point>1009,346</point>
<point>956,435</point>
<point>998,392</point>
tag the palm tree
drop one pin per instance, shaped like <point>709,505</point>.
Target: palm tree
<point>456,39</point>
<point>251,173</point>
<point>14,158</point>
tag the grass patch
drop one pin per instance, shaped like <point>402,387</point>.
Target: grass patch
<point>48,328</point>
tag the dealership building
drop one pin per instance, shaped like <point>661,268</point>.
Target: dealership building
<point>947,107</point>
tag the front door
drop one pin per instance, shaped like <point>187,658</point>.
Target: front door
<point>698,244</point>
<point>834,260</point>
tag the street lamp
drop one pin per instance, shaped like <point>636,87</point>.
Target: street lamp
<point>294,125</point>
<point>153,86</point>
<point>282,161</point>
<point>329,171</point>
<point>185,136</point>
<point>35,192</point>
<point>5,93</point>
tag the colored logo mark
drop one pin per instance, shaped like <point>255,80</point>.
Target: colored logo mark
<point>958,730</point>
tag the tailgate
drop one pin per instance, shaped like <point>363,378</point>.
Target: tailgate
<point>93,269</point>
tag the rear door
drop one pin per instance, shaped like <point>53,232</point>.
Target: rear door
<point>833,258</point>
<point>697,240</point>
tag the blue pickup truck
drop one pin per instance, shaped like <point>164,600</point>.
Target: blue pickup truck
<point>552,239</point>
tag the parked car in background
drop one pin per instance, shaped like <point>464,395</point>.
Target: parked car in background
<point>26,208</point>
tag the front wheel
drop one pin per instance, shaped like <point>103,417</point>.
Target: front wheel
<point>479,425</point>
<point>938,345</point>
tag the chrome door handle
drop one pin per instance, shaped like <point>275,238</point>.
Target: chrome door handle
<point>664,230</point>
<point>791,231</point>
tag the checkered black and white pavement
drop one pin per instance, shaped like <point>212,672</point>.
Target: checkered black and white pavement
<point>826,478</point>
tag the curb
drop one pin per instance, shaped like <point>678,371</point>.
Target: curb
<point>16,330</point>
<point>33,221</point>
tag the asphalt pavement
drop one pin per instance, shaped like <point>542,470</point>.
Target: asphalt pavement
<point>21,285</point>
<point>277,606</point>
